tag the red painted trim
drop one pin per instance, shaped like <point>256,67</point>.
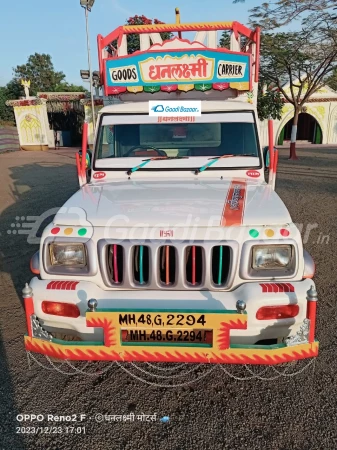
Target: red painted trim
<point>148,53</point>
<point>311,276</point>
<point>275,161</point>
<point>105,41</point>
<point>234,216</point>
<point>191,26</point>
<point>141,29</point>
<point>62,285</point>
<point>290,287</point>
<point>220,86</point>
<point>242,29</point>
<point>100,47</point>
<point>250,72</point>
<point>224,332</point>
<point>311,315</point>
<point>84,146</point>
<point>178,355</point>
<point>118,90</point>
<point>257,53</point>
<point>276,287</point>
<point>169,88</point>
<point>109,331</point>
<point>29,310</point>
<point>271,148</point>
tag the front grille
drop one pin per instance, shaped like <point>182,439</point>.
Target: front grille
<point>115,263</point>
<point>194,265</point>
<point>167,265</point>
<point>140,265</point>
<point>178,266</point>
<point>220,264</point>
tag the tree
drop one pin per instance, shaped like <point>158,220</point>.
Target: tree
<point>332,81</point>
<point>269,101</point>
<point>271,15</point>
<point>69,87</point>
<point>303,61</point>
<point>39,69</point>
<point>6,112</point>
<point>133,40</point>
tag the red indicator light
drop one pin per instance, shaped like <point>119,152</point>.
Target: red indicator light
<point>284,232</point>
<point>55,230</point>
<point>277,312</point>
<point>60,309</point>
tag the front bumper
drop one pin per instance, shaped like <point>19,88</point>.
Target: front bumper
<point>234,334</point>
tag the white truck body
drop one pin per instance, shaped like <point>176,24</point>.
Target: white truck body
<point>176,216</point>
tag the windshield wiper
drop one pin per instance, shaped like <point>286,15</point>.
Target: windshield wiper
<point>156,158</point>
<point>214,160</point>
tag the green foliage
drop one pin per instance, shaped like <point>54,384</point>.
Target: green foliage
<point>6,112</point>
<point>277,13</point>
<point>224,41</point>
<point>269,104</point>
<point>301,59</point>
<point>332,81</point>
<point>39,69</point>
<point>69,87</point>
<point>133,39</point>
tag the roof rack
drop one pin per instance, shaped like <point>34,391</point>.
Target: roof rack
<point>162,68</point>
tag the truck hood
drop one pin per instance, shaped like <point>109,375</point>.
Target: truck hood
<point>175,203</point>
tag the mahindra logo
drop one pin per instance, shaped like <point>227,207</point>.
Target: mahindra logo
<point>253,173</point>
<point>99,175</point>
<point>166,233</point>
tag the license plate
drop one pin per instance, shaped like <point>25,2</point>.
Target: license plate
<point>162,320</point>
<point>168,336</point>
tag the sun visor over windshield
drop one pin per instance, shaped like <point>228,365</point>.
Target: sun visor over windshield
<point>187,135</point>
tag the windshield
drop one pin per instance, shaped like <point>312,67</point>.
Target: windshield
<point>216,135</point>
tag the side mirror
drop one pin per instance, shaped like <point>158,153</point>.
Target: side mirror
<point>266,158</point>
<point>271,171</point>
<point>83,159</point>
<point>88,159</point>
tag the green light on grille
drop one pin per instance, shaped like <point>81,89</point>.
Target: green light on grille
<point>82,232</point>
<point>254,233</point>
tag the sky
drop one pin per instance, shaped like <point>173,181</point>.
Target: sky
<point>58,27</point>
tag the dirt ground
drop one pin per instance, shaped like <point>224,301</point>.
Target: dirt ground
<point>217,412</point>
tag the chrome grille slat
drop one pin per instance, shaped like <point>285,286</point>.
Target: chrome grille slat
<point>154,281</point>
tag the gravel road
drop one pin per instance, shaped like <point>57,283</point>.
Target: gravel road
<point>216,412</point>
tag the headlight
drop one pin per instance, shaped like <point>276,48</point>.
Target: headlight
<point>272,257</point>
<point>67,255</point>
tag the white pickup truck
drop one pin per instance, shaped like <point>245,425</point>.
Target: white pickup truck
<point>176,247</point>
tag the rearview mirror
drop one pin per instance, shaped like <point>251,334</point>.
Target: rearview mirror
<point>88,157</point>
<point>266,157</point>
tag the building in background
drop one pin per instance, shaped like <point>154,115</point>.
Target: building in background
<point>38,118</point>
<point>317,124</point>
